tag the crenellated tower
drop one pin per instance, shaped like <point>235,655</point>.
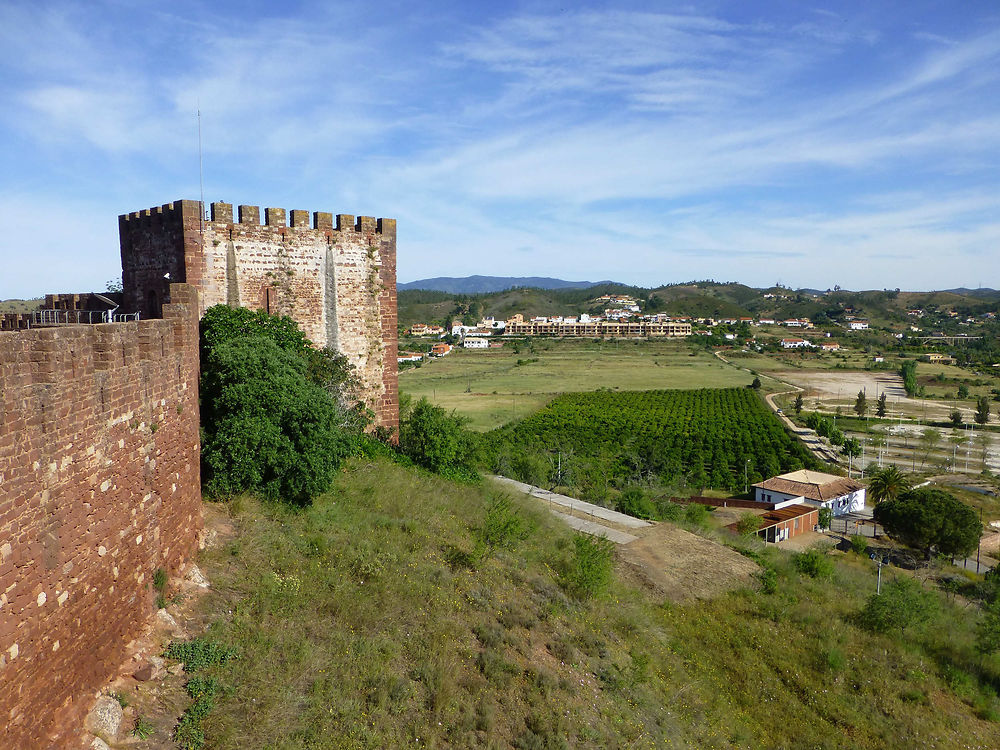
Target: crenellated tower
<point>335,276</point>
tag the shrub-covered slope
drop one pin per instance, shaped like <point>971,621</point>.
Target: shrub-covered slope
<point>401,610</point>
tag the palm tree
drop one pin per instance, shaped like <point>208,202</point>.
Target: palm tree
<point>887,483</point>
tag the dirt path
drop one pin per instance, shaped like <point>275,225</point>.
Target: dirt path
<point>682,566</point>
<point>674,563</point>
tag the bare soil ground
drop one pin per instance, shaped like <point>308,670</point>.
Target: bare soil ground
<point>829,389</point>
<point>682,566</point>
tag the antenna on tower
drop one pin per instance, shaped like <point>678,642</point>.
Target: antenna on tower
<point>201,179</point>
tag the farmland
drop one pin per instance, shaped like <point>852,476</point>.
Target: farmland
<point>718,438</point>
<point>492,387</point>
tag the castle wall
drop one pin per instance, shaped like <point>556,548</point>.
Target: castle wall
<point>99,486</point>
<point>335,278</point>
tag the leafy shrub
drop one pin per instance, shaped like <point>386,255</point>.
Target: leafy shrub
<point>530,468</point>
<point>188,733</point>
<point>199,653</point>
<point>669,511</point>
<point>825,517</point>
<point>435,439</point>
<point>859,544</point>
<point>902,604</point>
<point>633,502</point>
<point>267,427</point>
<point>502,527</point>
<point>696,514</point>
<point>988,629</point>
<point>589,569</point>
<point>222,324</point>
<point>748,524</point>
<point>814,563</point>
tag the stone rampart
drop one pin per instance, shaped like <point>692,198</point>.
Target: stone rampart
<point>99,487</point>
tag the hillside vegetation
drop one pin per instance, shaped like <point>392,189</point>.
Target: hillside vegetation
<point>403,610</point>
<point>699,299</point>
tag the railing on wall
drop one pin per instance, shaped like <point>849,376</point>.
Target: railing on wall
<point>41,318</point>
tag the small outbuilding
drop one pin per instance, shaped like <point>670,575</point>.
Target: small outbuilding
<point>783,523</point>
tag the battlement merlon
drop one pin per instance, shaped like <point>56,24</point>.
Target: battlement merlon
<point>159,215</point>
<point>222,213</point>
<point>280,218</point>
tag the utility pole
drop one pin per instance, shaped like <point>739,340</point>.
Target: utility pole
<point>880,561</point>
<point>979,547</point>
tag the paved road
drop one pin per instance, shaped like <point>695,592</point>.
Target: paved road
<point>594,529</point>
<point>574,504</point>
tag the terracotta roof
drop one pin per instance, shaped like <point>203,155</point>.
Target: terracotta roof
<point>812,485</point>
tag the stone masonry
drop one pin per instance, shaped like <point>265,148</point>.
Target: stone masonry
<point>336,277</point>
<point>99,486</point>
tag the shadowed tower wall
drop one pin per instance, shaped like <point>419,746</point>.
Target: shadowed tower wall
<point>336,277</point>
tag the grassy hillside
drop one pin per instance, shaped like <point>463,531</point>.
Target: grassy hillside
<point>19,305</point>
<point>418,306</point>
<point>359,622</point>
<point>485,284</point>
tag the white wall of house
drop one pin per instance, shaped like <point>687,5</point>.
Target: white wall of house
<point>770,496</point>
<point>849,503</point>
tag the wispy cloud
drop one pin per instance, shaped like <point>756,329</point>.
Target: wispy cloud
<point>790,140</point>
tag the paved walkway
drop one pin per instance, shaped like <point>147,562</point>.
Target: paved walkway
<point>575,505</point>
<point>594,529</point>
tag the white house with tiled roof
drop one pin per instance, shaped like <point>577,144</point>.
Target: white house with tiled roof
<point>795,344</point>
<point>839,494</point>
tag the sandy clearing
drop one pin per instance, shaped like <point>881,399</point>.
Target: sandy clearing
<point>682,566</point>
<point>829,389</point>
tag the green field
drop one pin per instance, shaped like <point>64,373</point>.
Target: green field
<point>491,388</point>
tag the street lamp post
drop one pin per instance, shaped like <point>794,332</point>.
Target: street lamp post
<point>880,561</point>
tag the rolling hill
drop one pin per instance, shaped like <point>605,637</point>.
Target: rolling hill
<point>486,284</point>
<point>695,298</point>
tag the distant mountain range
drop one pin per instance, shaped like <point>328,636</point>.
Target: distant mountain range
<point>488,284</point>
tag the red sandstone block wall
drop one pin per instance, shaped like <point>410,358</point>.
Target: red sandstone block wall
<point>336,277</point>
<point>99,486</point>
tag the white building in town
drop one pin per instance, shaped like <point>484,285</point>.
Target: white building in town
<point>840,494</point>
<point>795,344</point>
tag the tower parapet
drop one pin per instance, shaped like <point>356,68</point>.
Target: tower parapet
<point>336,279</point>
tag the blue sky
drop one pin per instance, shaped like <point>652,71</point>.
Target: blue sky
<point>816,144</point>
